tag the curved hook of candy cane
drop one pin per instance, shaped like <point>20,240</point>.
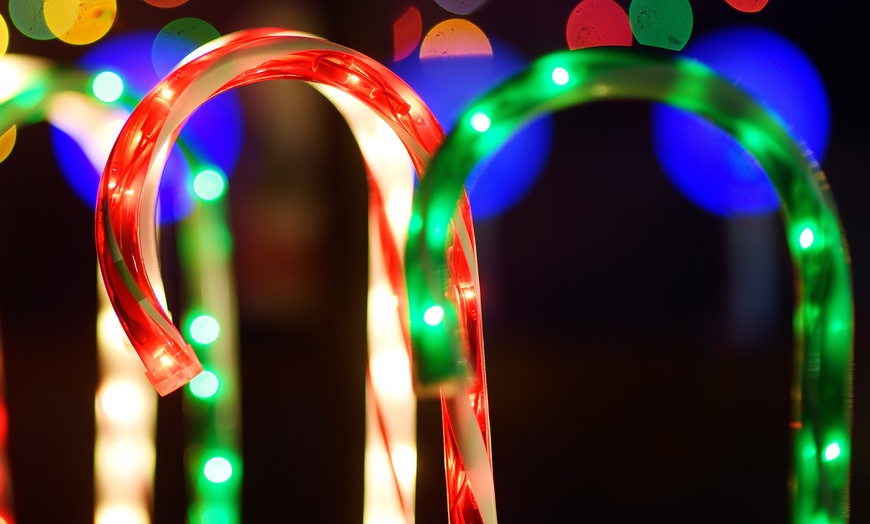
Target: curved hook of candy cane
<point>126,246</point>
<point>823,316</point>
<point>127,196</point>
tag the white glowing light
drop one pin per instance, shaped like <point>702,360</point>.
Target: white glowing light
<point>124,442</point>
<point>126,459</point>
<point>205,329</point>
<point>832,451</point>
<point>121,514</point>
<point>405,462</point>
<point>208,184</point>
<point>204,385</point>
<point>391,373</point>
<point>121,401</point>
<point>433,316</point>
<point>807,238</point>
<point>383,300</point>
<point>18,71</point>
<point>398,208</point>
<point>218,470</point>
<point>480,122</point>
<point>110,133</point>
<point>108,86</point>
<point>560,76</point>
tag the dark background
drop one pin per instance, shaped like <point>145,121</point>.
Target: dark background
<point>623,387</point>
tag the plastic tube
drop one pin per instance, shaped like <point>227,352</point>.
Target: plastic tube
<point>125,209</point>
<point>823,316</point>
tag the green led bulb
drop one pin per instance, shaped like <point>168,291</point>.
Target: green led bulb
<point>108,86</point>
<point>204,329</point>
<point>208,184</point>
<point>217,470</point>
<point>204,385</point>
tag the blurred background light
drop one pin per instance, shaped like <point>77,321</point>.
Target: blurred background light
<point>447,84</point>
<point>706,165</point>
<point>214,131</point>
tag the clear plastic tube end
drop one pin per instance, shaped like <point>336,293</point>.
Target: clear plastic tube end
<point>174,371</point>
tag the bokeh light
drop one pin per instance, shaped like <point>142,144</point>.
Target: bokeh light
<point>177,40</point>
<point>480,122</point>
<point>218,470</point>
<point>213,132</point>
<point>807,238</point>
<point>28,18</point>
<point>121,514</point>
<point>747,6</point>
<point>596,23</point>
<point>407,32</point>
<point>208,184</point>
<point>707,165</point>
<point>60,15</point>
<point>434,315</point>
<point>447,85</point>
<point>205,329</point>
<point>832,451</point>
<point>461,7</point>
<point>4,36</point>
<point>80,22</point>
<point>166,4</point>
<point>454,38</point>
<point>121,400</point>
<point>108,86</point>
<point>7,142</point>
<point>560,76</point>
<point>204,385</point>
<point>661,23</point>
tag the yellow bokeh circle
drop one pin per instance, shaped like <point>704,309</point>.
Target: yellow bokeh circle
<point>80,22</point>
<point>7,140</point>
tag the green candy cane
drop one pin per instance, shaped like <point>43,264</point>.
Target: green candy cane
<point>821,392</point>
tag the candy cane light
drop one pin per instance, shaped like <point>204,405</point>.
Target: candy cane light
<point>39,89</point>
<point>126,404</point>
<point>823,315</point>
<point>360,88</point>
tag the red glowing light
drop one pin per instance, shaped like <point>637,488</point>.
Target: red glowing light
<point>596,23</point>
<point>747,6</point>
<point>407,32</point>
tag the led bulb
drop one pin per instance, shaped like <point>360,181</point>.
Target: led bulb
<point>218,470</point>
<point>434,315</point>
<point>480,122</point>
<point>560,76</point>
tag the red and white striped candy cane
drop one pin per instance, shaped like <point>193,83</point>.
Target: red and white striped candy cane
<point>128,253</point>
